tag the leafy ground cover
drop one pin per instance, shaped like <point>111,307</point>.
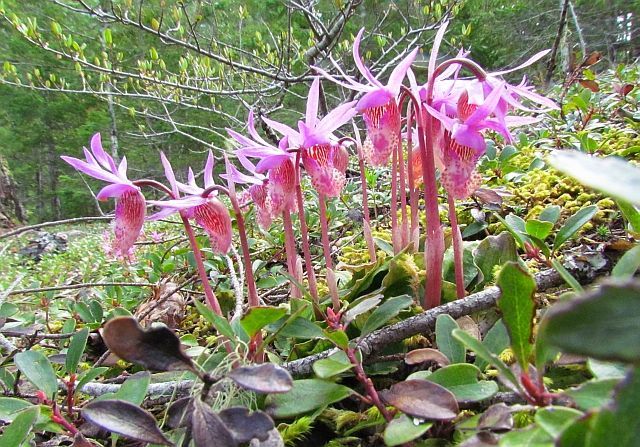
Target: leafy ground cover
<point>548,357</point>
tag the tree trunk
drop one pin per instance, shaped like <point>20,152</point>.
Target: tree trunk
<point>52,168</point>
<point>551,66</point>
<point>113,128</point>
<point>11,209</point>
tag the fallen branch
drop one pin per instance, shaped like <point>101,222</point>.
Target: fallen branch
<point>52,224</point>
<point>81,286</point>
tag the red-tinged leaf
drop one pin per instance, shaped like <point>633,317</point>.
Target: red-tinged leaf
<point>497,418</point>
<point>591,85</point>
<point>418,356</point>
<point>245,426</point>
<point>208,429</point>
<point>488,197</point>
<point>422,399</point>
<point>264,378</point>
<point>126,419</point>
<point>592,59</point>
<point>156,348</point>
<point>179,413</point>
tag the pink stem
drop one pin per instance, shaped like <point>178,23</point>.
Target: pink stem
<point>394,202</point>
<point>304,232</point>
<point>289,245</point>
<point>458,248</point>
<point>413,192</point>
<point>366,382</point>
<point>326,248</point>
<point>365,205</point>
<point>404,236</point>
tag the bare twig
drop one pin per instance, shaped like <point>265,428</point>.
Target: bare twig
<point>52,224</point>
<point>81,286</point>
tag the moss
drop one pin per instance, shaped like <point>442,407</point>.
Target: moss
<point>296,431</point>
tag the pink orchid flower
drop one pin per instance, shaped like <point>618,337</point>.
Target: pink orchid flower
<point>275,160</point>
<point>208,212</point>
<point>379,104</point>
<point>324,160</point>
<point>130,204</point>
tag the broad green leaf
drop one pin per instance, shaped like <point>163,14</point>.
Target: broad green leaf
<point>403,429</point>
<point>491,252</point>
<point>606,370</point>
<point>89,375</point>
<point>361,307</point>
<point>10,407</point>
<point>528,437</point>
<point>462,380</point>
<point>16,433</point>
<point>258,317</point>
<point>613,176</point>
<point>550,214</point>
<point>447,344</point>
<point>628,264</point>
<point>339,338</point>
<point>489,357</point>
<point>592,394</point>
<point>220,323</point>
<point>538,228</point>
<point>37,368</point>
<point>297,328</point>
<point>573,224</point>
<point>517,305</point>
<point>332,366</point>
<point>134,389</point>
<point>305,396</point>
<point>604,323</point>
<point>516,226</point>
<point>385,312</point>
<point>75,350</point>
<point>619,424</point>
<point>496,341</point>
<point>630,213</point>
<point>554,420</point>
<point>469,268</point>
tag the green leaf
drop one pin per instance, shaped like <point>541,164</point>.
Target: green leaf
<point>606,370</point>
<point>10,407</point>
<point>16,433</point>
<point>37,368</point>
<point>516,226</point>
<point>567,276</point>
<point>489,357</point>
<point>613,176</point>
<point>529,437</point>
<point>89,375</point>
<point>619,425</point>
<point>298,328</point>
<point>628,264</point>
<point>258,317</point>
<point>339,338</point>
<point>517,305</point>
<point>403,429</point>
<point>447,344</point>
<point>491,252</point>
<point>592,394</point>
<point>462,380</point>
<point>134,389</point>
<point>550,214</point>
<point>332,366</point>
<point>554,420</point>
<point>573,224</point>
<point>604,323</point>
<point>385,312</point>
<point>75,350</point>
<point>305,396</point>
<point>496,341</point>
<point>220,323</point>
<point>539,228</point>
<point>631,214</point>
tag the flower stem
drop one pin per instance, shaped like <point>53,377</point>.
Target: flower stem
<point>289,245</point>
<point>413,192</point>
<point>366,382</point>
<point>458,248</point>
<point>395,233</point>
<point>365,202</point>
<point>326,248</point>
<point>404,236</point>
<point>304,233</point>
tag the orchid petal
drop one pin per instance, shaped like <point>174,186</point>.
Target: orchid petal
<point>208,170</point>
<point>487,106</point>
<point>114,190</point>
<point>467,136</point>
<point>164,212</point>
<point>103,158</point>
<point>446,121</point>
<point>251,127</point>
<point>351,84</point>
<point>435,48</point>
<point>238,177</point>
<point>93,171</point>
<point>312,103</point>
<point>377,98</point>
<point>337,117</point>
<point>191,178</point>
<point>526,63</point>
<point>169,174</point>
<point>270,162</point>
<point>193,190</point>
<point>258,151</point>
<point>398,73</point>
<point>122,168</point>
<point>179,204</point>
<point>282,128</point>
<point>244,141</point>
<point>358,61</point>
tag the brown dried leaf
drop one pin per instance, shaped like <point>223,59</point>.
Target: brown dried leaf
<point>418,356</point>
<point>208,429</point>
<point>165,306</point>
<point>156,348</point>
<point>422,399</point>
<point>244,426</point>
<point>468,325</point>
<point>496,418</point>
<point>592,59</point>
<point>591,85</point>
<point>264,378</point>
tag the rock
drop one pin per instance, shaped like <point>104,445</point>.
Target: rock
<point>44,243</point>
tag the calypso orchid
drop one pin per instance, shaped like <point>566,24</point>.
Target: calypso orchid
<point>206,209</point>
<point>130,204</point>
<point>379,105</point>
